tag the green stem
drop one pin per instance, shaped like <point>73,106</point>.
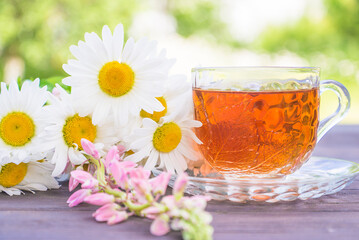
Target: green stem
<point>100,169</point>
<point>117,194</point>
<point>136,208</point>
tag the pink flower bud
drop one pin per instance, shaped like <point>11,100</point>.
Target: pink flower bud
<point>176,224</point>
<point>170,202</point>
<point>105,207</point>
<point>199,202</point>
<point>139,173</point>
<point>90,183</point>
<point>159,226</point>
<point>118,217</point>
<point>112,155</point>
<point>73,183</point>
<point>90,148</point>
<point>180,185</point>
<point>142,188</point>
<point>128,165</point>
<point>121,149</point>
<point>78,197</point>
<point>119,174</point>
<point>81,176</point>
<point>151,212</point>
<point>159,183</point>
<point>99,199</point>
<point>105,212</point>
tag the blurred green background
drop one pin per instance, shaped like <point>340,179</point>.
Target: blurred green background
<point>35,35</point>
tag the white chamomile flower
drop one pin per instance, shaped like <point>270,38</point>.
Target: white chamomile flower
<point>177,98</point>
<point>174,99</point>
<point>67,128</point>
<point>32,176</point>
<point>22,122</point>
<point>167,144</point>
<point>111,79</point>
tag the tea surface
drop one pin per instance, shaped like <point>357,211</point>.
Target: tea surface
<point>267,132</point>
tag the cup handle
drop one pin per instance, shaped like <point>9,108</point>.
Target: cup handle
<point>344,103</point>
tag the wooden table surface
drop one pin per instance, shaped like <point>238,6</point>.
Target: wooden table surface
<point>45,215</point>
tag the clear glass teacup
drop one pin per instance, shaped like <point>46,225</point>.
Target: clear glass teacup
<point>261,121</point>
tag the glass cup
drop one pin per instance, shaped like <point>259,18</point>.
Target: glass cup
<point>261,121</point>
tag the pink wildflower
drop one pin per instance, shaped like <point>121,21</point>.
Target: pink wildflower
<point>123,190</point>
<point>87,180</point>
<point>78,197</point>
<point>119,174</point>
<point>73,183</point>
<point>90,148</point>
<point>170,202</point>
<point>81,175</point>
<point>105,212</point>
<point>110,214</point>
<point>139,173</point>
<point>180,185</point>
<point>159,226</point>
<point>176,224</point>
<point>120,171</point>
<point>142,189</point>
<point>159,183</point>
<point>90,184</point>
<point>121,149</point>
<point>99,199</point>
<point>199,202</point>
<point>152,212</point>
<point>128,165</point>
<point>119,216</point>
<point>112,155</point>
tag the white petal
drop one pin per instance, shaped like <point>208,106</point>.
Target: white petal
<point>100,113</point>
<point>97,46</point>
<point>149,123</point>
<point>187,151</point>
<point>107,40</point>
<point>182,164</point>
<point>152,160</point>
<point>167,161</point>
<point>138,156</point>
<point>191,134</point>
<point>128,49</point>
<point>117,43</point>
<point>76,157</point>
<point>140,143</point>
<point>60,159</point>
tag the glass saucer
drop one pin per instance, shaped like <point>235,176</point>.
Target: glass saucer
<point>319,176</point>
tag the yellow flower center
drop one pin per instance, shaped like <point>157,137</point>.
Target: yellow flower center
<point>76,128</point>
<point>116,79</point>
<point>12,174</point>
<point>17,129</point>
<point>167,137</point>
<point>155,116</point>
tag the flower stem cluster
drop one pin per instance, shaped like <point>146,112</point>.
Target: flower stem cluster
<point>123,189</point>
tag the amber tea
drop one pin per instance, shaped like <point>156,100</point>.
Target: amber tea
<point>257,132</point>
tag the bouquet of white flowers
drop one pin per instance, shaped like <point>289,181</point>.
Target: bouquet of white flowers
<point>125,115</point>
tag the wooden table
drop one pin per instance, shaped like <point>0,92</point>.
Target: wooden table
<point>46,215</point>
